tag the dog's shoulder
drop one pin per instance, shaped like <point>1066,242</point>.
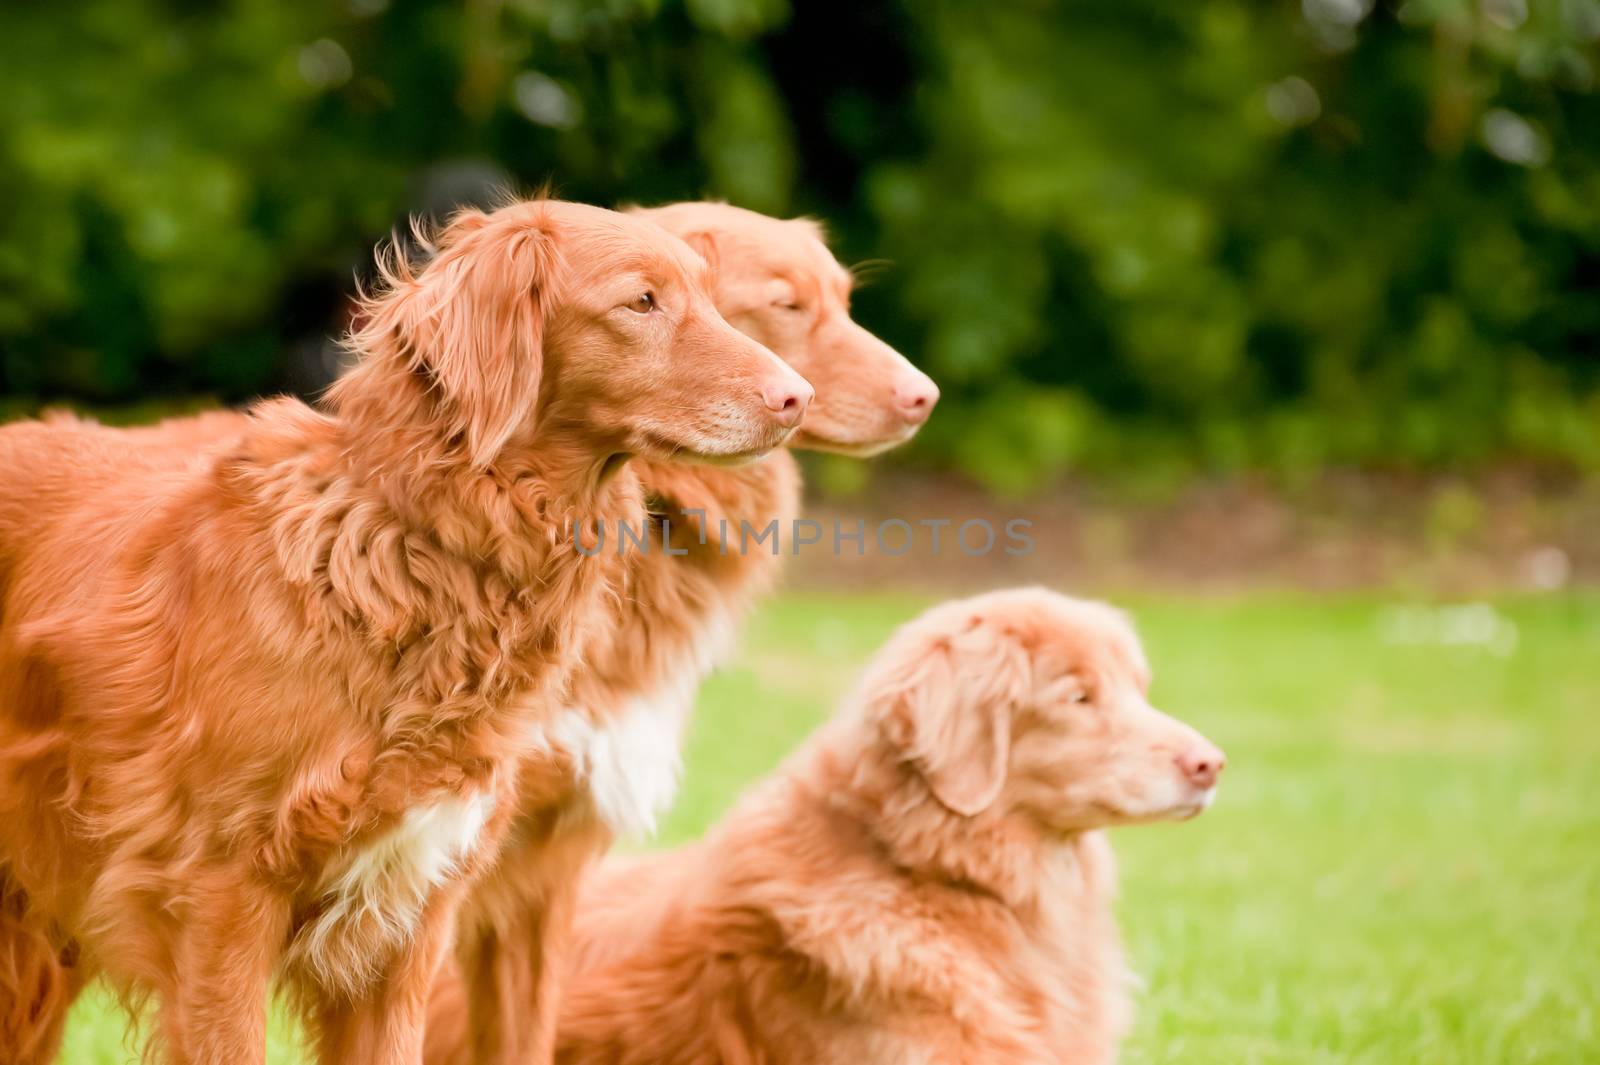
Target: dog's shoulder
<point>906,952</point>
<point>877,931</point>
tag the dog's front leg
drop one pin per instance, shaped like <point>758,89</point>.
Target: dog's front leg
<point>385,1025</point>
<point>215,1010</point>
<point>37,986</point>
<point>513,979</point>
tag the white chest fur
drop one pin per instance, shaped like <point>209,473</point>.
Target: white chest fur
<point>373,898</point>
<point>629,756</point>
<point>419,852</point>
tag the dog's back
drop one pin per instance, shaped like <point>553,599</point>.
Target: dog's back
<point>43,468</point>
<point>50,469</point>
<point>72,493</point>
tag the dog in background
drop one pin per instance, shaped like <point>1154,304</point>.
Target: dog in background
<point>777,282</point>
<point>261,709</point>
<point>925,881</point>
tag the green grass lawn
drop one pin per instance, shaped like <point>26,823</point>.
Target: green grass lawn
<point>1403,865</point>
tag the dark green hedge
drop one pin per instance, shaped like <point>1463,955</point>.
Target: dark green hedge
<point>1213,232</point>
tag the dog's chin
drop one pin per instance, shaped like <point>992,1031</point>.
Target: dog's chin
<point>708,449</point>
<point>837,444</point>
<point>1190,807</point>
<point>736,459</point>
<point>1181,807</point>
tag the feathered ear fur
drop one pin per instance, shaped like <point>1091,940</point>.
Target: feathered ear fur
<point>948,704</point>
<point>704,242</point>
<point>472,321</point>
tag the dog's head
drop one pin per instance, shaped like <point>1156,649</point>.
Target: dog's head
<point>562,314</point>
<point>776,281</point>
<point>1028,703</point>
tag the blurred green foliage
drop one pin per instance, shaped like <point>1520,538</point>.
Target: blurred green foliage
<point>1216,233</point>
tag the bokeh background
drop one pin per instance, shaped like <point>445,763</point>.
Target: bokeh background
<point>1281,320</point>
<point>1224,234</point>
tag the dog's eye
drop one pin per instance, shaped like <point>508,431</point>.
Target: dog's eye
<point>644,303</point>
<point>787,305</point>
<point>1079,696</point>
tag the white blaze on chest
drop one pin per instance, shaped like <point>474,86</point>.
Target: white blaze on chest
<point>423,849</point>
<point>373,898</point>
<point>630,759</point>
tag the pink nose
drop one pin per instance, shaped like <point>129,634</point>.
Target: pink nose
<point>1201,764</point>
<point>914,399</point>
<point>787,400</point>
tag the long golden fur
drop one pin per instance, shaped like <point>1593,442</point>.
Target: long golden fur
<point>262,707</point>
<point>925,881</point>
<point>776,281</point>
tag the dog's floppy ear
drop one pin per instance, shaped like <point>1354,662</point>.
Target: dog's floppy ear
<point>704,242</point>
<point>472,322</point>
<point>949,707</point>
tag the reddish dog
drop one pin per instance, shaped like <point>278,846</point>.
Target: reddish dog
<point>776,281</point>
<point>261,710</point>
<point>924,882</point>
